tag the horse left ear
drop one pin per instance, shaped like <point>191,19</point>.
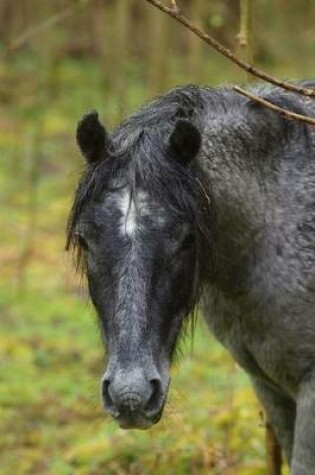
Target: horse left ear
<point>185,141</point>
<point>92,137</point>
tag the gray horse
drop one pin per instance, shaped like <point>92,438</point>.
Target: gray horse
<point>204,197</point>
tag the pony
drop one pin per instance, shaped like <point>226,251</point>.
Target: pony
<point>203,198</point>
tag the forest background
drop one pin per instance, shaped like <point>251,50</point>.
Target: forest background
<point>57,60</point>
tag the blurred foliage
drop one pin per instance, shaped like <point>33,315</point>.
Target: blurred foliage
<point>112,55</point>
<point>50,415</point>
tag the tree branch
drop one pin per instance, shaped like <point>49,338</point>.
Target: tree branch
<point>174,12</point>
<point>284,112</point>
<point>21,39</point>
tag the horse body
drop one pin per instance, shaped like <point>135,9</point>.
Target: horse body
<point>260,301</point>
<point>204,196</point>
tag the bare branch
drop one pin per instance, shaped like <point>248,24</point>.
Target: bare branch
<point>284,112</point>
<point>21,39</point>
<point>174,12</point>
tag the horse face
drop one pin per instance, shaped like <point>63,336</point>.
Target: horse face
<point>138,234</point>
<point>140,262</point>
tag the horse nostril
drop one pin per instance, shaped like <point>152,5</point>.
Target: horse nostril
<point>107,400</point>
<point>154,402</point>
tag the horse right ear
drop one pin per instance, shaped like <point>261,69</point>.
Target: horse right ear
<point>92,137</point>
<point>185,141</point>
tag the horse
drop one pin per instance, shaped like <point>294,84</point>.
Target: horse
<point>203,199</point>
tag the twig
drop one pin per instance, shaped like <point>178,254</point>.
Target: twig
<point>228,53</point>
<point>284,112</point>
<point>21,39</point>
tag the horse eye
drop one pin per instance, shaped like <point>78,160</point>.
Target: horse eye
<point>188,242</point>
<point>82,241</point>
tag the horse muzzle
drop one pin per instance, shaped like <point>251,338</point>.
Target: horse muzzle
<point>133,397</point>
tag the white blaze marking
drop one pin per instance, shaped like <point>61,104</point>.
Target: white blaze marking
<point>136,208</point>
<point>128,209</point>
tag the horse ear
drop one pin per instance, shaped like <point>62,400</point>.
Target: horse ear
<point>185,141</point>
<point>92,137</point>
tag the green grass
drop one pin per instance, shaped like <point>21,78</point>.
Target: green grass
<point>50,415</point>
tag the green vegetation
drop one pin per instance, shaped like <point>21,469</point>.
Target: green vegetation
<point>51,355</point>
<point>51,420</point>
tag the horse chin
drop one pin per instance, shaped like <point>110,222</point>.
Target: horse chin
<point>139,423</point>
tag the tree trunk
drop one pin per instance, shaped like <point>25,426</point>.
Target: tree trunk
<point>273,451</point>
<point>159,51</point>
<point>244,37</point>
<point>195,45</point>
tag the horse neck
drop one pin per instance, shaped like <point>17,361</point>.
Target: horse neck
<point>243,188</point>
<point>259,196</point>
